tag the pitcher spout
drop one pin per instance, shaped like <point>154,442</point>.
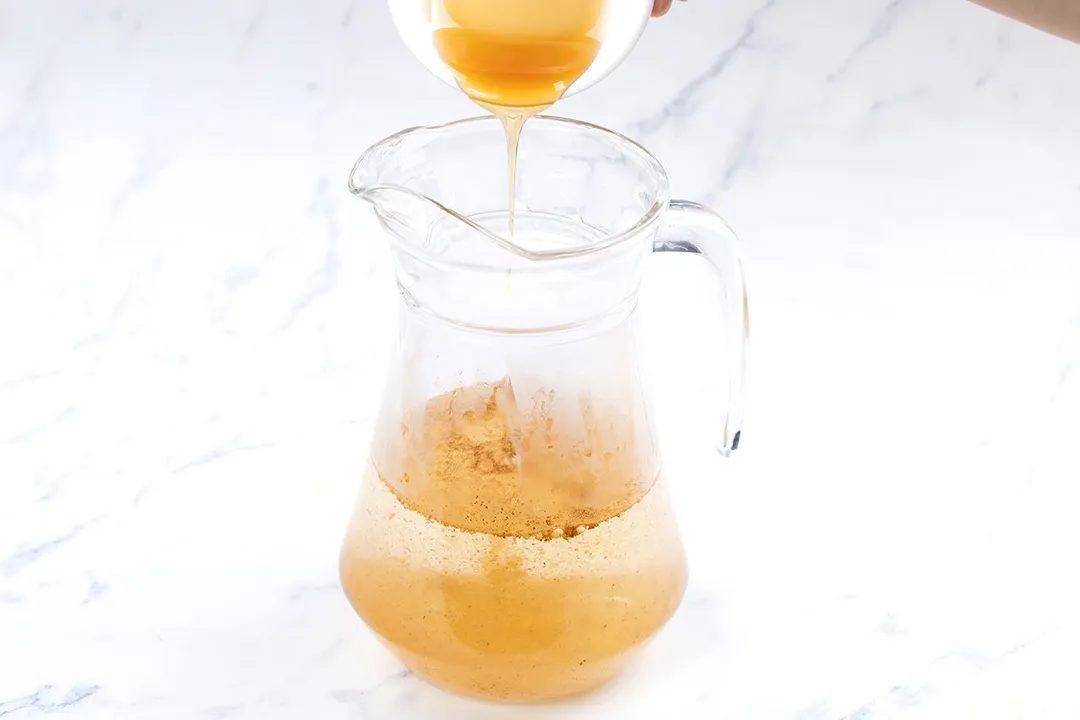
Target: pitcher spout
<point>376,169</point>
<point>381,177</point>
<point>442,192</point>
<point>418,184</point>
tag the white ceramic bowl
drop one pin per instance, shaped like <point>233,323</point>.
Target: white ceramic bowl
<point>624,22</point>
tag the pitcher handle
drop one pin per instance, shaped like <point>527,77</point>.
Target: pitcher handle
<point>693,228</point>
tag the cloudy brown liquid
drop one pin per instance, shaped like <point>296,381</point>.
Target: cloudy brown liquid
<point>515,58</point>
<point>513,561</point>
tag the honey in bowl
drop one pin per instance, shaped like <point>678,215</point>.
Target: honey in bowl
<point>517,53</point>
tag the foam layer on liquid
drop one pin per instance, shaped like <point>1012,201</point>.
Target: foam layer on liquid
<point>489,459</point>
<point>512,618</point>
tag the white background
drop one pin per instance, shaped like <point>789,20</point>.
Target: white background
<point>194,319</point>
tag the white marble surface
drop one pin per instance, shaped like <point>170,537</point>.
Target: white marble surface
<point>194,318</point>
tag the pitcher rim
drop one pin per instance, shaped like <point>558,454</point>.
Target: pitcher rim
<point>650,216</point>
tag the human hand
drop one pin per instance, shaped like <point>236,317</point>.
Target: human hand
<point>660,7</point>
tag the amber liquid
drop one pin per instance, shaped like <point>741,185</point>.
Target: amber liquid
<point>513,561</point>
<point>516,58</point>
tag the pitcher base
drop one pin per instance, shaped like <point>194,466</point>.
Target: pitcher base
<point>514,680</point>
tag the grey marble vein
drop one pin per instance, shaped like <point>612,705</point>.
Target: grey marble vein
<point>58,418</point>
<point>31,553</point>
<point>883,25</point>
<point>683,103</point>
<point>40,701</point>
<point>221,452</point>
<point>741,154</point>
<point>324,278</point>
<point>95,591</point>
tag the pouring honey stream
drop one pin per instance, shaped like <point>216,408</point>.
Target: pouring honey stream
<point>516,59</point>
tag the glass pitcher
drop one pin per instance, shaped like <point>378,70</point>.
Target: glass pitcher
<point>513,538</point>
